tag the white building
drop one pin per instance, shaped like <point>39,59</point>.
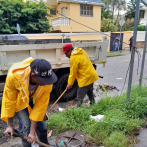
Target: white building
<point>143,11</point>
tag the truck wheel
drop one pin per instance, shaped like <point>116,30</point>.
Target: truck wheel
<point>61,86</point>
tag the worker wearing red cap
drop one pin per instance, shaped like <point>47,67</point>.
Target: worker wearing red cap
<point>81,69</point>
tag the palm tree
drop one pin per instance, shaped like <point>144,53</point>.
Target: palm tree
<point>121,5</point>
<point>112,5</point>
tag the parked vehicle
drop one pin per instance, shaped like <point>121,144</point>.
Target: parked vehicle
<point>14,37</point>
<point>12,51</point>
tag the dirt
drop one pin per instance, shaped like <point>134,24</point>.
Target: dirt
<point>106,87</point>
<point>3,126</point>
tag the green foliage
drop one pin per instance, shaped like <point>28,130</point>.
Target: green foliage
<point>131,12</point>
<point>73,119</point>
<point>129,25</point>
<point>141,28</point>
<point>105,13</point>
<point>107,25</point>
<point>117,126</point>
<point>117,139</point>
<point>31,16</point>
<point>113,5</point>
<point>131,9</point>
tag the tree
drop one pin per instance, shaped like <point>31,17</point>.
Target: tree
<point>121,5</point>
<point>113,5</point>
<point>107,9</point>
<point>31,16</point>
<point>105,13</point>
<point>107,25</point>
<point>131,11</point>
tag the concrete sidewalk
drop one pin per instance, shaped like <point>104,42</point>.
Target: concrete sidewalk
<point>18,143</point>
<point>127,51</point>
<point>142,138</point>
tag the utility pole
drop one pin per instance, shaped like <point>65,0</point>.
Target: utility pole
<point>133,49</point>
<point>143,58</point>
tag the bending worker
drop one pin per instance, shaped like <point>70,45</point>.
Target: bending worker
<point>26,95</point>
<point>81,69</point>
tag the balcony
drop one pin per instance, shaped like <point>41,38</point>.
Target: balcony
<point>61,23</point>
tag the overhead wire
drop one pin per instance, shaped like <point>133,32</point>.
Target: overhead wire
<point>79,22</point>
<point>133,47</point>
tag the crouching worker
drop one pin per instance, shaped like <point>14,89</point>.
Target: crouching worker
<point>81,69</point>
<point>26,95</point>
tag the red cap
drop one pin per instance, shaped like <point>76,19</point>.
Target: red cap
<point>66,47</point>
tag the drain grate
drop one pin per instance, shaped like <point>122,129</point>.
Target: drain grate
<point>72,138</point>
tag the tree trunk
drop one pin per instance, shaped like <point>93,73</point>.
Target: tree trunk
<point>117,17</point>
<point>112,11</point>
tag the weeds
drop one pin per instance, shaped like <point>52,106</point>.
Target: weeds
<point>117,126</point>
<point>117,139</point>
<point>114,54</point>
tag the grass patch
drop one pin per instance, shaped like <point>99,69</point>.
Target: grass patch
<point>114,54</point>
<point>117,139</point>
<point>116,129</point>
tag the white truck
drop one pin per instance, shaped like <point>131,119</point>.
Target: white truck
<point>12,51</point>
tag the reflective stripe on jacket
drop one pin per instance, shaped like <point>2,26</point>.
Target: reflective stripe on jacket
<point>16,94</point>
<point>81,68</point>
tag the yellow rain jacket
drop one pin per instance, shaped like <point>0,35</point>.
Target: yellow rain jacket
<point>81,68</point>
<point>16,94</point>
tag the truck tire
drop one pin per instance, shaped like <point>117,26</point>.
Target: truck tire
<point>61,86</point>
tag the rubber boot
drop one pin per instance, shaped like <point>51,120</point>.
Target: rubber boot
<point>42,136</point>
<point>91,95</point>
<point>25,143</point>
<point>92,100</point>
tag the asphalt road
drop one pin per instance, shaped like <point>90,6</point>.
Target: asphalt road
<point>116,68</point>
<point>114,74</point>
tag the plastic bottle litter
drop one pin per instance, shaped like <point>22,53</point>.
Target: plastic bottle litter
<point>61,143</point>
<point>97,117</point>
<point>61,109</point>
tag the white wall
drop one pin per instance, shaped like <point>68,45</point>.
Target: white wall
<point>140,36</point>
<point>51,2</point>
<point>144,20</point>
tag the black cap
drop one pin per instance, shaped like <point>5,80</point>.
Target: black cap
<point>43,70</point>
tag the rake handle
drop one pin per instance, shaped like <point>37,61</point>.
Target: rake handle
<point>18,134</point>
<point>56,101</point>
<point>38,142</point>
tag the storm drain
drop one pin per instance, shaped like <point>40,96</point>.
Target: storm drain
<point>72,138</point>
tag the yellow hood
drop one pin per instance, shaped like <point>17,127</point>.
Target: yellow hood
<point>16,94</point>
<point>77,51</point>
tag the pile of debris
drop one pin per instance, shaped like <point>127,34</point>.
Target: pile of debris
<point>105,87</point>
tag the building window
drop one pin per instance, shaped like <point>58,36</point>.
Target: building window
<point>142,12</point>
<point>52,12</point>
<point>86,10</point>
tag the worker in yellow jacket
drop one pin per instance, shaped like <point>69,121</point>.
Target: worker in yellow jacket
<point>81,69</point>
<point>26,95</point>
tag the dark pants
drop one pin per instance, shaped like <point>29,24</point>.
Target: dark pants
<point>130,47</point>
<point>82,91</point>
<point>25,124</point>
